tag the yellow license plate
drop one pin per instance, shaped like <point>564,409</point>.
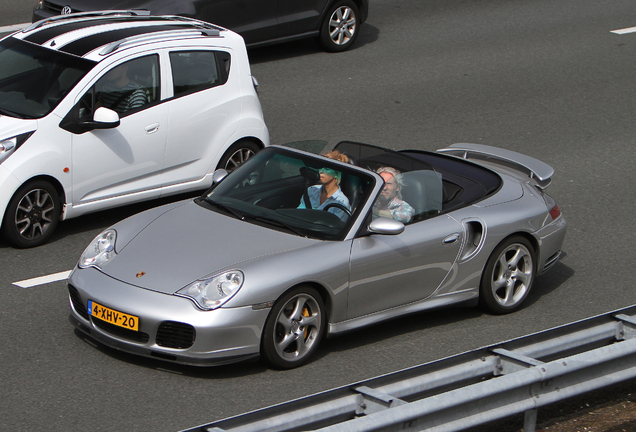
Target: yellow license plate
<point>117,318</point>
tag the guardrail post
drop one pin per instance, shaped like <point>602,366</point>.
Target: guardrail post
<point>530,421</point>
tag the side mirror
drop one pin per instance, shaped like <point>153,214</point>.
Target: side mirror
<point>105,118</point>
<point>386,226</point>
<point>76,123</point>
<point>219,175</point>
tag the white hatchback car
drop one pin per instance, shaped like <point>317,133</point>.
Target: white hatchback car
<point>103,109</point>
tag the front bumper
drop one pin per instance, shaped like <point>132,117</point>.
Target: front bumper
<point>221,336</point>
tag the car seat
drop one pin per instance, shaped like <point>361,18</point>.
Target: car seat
<point>351,187</point>
<point>423,191</point>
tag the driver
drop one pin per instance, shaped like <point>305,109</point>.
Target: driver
<point>119,92</point>
<point>326,192</point>
<point>390,203</point>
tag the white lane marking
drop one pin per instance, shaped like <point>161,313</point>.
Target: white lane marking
<point>624,31</point>
<point>42,280</point>
<point>14,27</point>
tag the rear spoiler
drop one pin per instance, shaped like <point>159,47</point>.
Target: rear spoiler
<point>538,171</point>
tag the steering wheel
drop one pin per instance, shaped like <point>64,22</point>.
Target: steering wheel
<point>339,206</point>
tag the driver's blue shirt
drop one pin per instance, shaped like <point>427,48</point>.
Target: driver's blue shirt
<point>337,197</point>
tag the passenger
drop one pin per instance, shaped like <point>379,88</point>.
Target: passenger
<point>336,155</point>
<point>328,190</point>
<point>389,202</point>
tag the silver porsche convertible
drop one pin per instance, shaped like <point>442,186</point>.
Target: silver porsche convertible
<point>275,255</point>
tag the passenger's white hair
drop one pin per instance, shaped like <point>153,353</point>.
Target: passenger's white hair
<point>396,174</point>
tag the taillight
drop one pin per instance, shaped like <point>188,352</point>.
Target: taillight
<point>555,212</point>
<point>553,208</point>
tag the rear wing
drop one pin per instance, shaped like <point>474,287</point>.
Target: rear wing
<point>538,171</point>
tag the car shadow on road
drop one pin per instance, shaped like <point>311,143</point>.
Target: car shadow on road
<point>234,370</point>
<point>302,47</point>
<point>548,282</point>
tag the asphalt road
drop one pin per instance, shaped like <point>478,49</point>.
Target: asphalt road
<point>542,77</point>
<point>15,12</point>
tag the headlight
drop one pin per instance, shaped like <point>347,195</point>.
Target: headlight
<point>9,145</point>
<point>100,251</point>
<point>213,292</point>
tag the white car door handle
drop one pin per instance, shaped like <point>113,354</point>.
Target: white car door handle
<point>152,128</point>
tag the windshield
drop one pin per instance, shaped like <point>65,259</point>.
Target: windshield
<point>33,80</point>
<point>303,195</point>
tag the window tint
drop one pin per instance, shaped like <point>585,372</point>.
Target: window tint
<point>270,189</point>
<point>126,87</point>
<point>198,70</point>
<point>33,80</point>
<point>278,167</point>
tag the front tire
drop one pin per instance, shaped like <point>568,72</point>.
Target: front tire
<point>508,276</point>
<point>340,27</point>
<point>294,328</point>
<point>32,215</point>
<point>238,153</point>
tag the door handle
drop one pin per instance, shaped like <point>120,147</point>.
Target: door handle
<point>152,128</point>
<point>451,238</point>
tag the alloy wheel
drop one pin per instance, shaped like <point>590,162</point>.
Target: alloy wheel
<point>34,214</point>
<point>238,157</point>
<point>297,327</point>
<point>342,25</point>
<point>512,275</point>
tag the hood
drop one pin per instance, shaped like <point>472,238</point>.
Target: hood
<point>190,242</point>
<point>11,126</point>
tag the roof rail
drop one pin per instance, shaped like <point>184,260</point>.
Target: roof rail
<point>114,46</point>
<point>129,12</point>
<point>193,21</point>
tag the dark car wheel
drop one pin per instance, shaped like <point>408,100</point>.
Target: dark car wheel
<point>508,276</point>
<point>293,328</point>
<point>339,29</point>
<point>238,153</point>
<point>32,215</point>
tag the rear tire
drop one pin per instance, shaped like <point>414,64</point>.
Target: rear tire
<point>340,27</point>
<point>508,276</point>
<point>32,215</point>
<point>238,153</point>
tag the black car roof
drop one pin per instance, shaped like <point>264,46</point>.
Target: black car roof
<point>464,182</point>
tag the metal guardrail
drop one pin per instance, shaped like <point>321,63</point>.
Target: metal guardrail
<point>468,389</point>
